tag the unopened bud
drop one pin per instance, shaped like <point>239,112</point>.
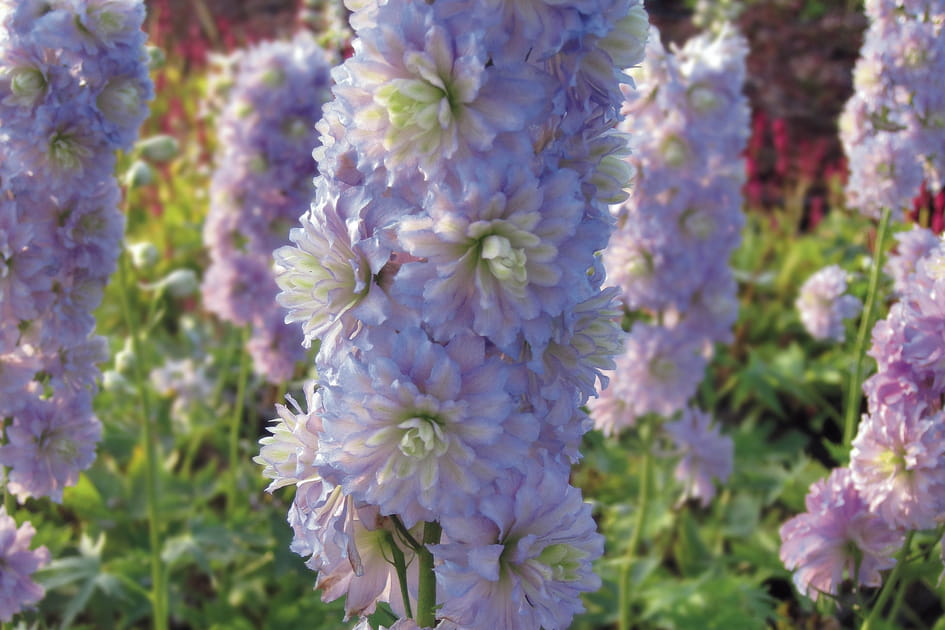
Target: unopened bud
<point>139,174</point>
<point>181,283</point>
<point>144,255</point>
<point>160,148</point>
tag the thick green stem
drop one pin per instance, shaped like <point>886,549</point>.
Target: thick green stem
<point>236,420</point>
<point>854,395</point>
<point>426,594</point>
<point>152,471</point>
<point>890,586</point>
<point>643,500</point>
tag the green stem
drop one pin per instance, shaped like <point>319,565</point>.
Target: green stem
<point>236,420</point>
<point>890,586</point>
<point>400,565</point>
<point>643,500</point>
<point>152,471</point>
<point>854,394</point>
<point>426,593</point>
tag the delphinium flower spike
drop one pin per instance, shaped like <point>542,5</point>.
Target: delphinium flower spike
<point>263,178</point>
<point>893,128</point>
<point>447,267</point>
<point>74,88</point>
<point>669,254</point>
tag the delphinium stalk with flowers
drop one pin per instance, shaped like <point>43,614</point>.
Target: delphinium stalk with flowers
<point>447,269</point>
<point>864,518</point>
<point>74,88</point>
<point>669,257</point>
<point>264,171</point>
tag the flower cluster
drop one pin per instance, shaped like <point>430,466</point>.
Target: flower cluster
<point>447,267</point>
<point>835,535</point>
<point>896,474</point>
<point>74,88</point>
<point>263,178</point>
<point>823,305</point>
<point>669,254</point>
<point>18,562</point>
<point>893,127</point>
<point>705,454</point>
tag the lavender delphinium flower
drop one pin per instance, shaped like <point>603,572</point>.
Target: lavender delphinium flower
<point>448,265</point>
<point>676,231</point>
<point>893,128</point>
<point>263,176</point>
<point>658,372</point>
<point>47,445</point>
<point>823,305</point>
<point>18,563</point>
<point>898,465</point>
<point>836,534</point>
<point>523,562</point>
<point>74,88</point>
<point>706,454</point>
<point>912,246</point>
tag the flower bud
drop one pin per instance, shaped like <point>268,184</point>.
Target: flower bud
<point>139,174</point>
<point>125,358</point>
<point>160,148</point>
<point>181,283</point>
<point>144,255</point>
<point>156,57</point>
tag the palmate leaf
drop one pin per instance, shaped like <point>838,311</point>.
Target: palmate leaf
<point>87,573</point>
<point>711,601</point>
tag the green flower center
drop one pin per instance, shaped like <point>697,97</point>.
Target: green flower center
<point>422,436</point>
<point>505,262</point>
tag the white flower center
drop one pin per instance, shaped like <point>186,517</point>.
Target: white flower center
<point>422,436</point>
<point>505,262</point>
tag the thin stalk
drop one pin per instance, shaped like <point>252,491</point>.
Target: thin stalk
<point>400,565</point>
<point>890,586</point>
<point>852,411</point>
<point>236,420</point>
<point>643,500</point>
<point>426,594</point>
<point>152,472</point>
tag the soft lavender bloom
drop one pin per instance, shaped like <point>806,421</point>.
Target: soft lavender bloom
<point>583,346</point>
<point>659,371</point>
<point>892,128</point>
<point>706,454</point>
<point>417,428</point>
<point>74,88</point>
<point>74,84</point>
<point>898,465</point>
<point>823,305</point>
<point>328,277</point>
<point>912,246</point>
<point>448,266</point>
<point>823,544</point>
<point>492,260</point>
<point>262,183</point>
<point>523,561</point>
<point>289,453</point>
<point>18,562</point>
<point>48,444</point>
<point>422,93</point>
